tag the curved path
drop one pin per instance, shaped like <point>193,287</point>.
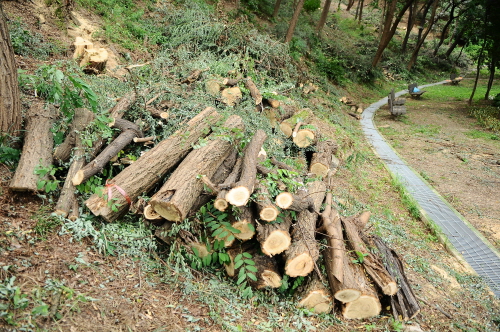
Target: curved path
<point>464,238</point>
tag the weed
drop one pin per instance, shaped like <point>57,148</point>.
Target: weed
<point>481,134</point>
<point>406,198</point>
<point>27,43</point>
<point>46,223</point>
<point>47,181</point>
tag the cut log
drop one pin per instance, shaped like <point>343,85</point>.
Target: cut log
<point>321,161</point>
<point>94,60</point>
<point>305,137</point>
<point>176,197</point>
<point>315,296</point>
<point>231,96</point>
<point>277,115</point>
<point>144,139</point>
<point>372,264</point>
<point>267,272</point>
<point>129,131</point>
<point>254,91</point>
<point>299,201</point>
<point>150,213</point>
<point>156,113</point>
<point>144,173</point>
<point>244,221</point>
<point>241,191</point>
<point>275,238</point>
<point>365,306</point>
<point>37,148</point>
<point>288,124</point>
<point>212,87</point>
<point>80,46</point>
<point>230,81</point>
<point>195,74</point>
<point>220,202</point>
<point>404,302</point>
<point>66,200</point>
<point>302,255</point>
<point>265,207</point>
<point>273,102</point>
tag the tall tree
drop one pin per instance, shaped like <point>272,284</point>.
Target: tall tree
<point>324,15</point>
<point>391,22</point>
<point>294,20</point>
<point>454,5</point>
<point>10,104</point>
<point>432,20</point>
<point>412,14</point>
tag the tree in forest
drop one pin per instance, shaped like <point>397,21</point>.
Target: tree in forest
<point>456,9</point>
<point>324,15</point>
<point>294,20</point>
<point>10,105</point>
<point>421,40</point>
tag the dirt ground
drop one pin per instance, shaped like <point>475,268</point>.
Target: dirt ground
<point>435,139</point>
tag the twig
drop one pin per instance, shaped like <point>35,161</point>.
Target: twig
<point>435,306</point>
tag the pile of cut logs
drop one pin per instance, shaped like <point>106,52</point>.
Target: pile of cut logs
<point>360,269</point>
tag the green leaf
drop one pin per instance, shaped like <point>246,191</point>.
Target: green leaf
<point>241,279</point>
<point>222,216</point>
<point>252,276</point>
<point>249,262</point>
<point>40,184</point>
<point>247,255</point>
<point>238,264</point>
<point>217,232</point>
<point>252,268</point>
<point>238,257</point>
<point>230,238</point>
<point>196,252</point>
<point>251,227</point>
<point>41,310</point>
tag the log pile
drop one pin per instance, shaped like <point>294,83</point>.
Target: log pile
<point>261,212</point>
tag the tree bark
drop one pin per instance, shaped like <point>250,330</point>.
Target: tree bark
<point>267,274</point>
<point>321,161</point>
<point>276,8</point>
<point>176,197</point>
<point>81,119</point>
<point>294,20</point>
<point>409,26</point>
<point>129,131</point>
<point>416,50</point>
<point>220,202</point>
<point>371,263</point>
<point>241,191</point>
<point>265,207</point>
<point>10,103</point>
<point>275,238</point>
<point>37,148</point>
<point>146,171</point>
<point>315,296</point>
<point>254,91</point>
<point>324,15</point>
<point>298,202</point>
<point>66,200</point>
<point>478,69</point>
<point>244,221</point>
<point>302,255</point>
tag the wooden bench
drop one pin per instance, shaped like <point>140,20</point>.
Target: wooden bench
<point>396,105</point>
<point>454,80</point>
<point>415,94</point>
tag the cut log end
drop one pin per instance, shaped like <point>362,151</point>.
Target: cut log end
<point>276,243</point>
<point>319,169</point>
<point>168,211</point>
<point>304,138</point>
<point>286,129</point>
<point>78,178</point>
<point>347,295</point>
<point>390,289</point>
<point>318,301</point>
<point>300,266</point>
<point>151,214</point>
<point>238,196</point>
<point>364,307</point>
<point>271,279</point>
<point>221,204</point>
<point>247,231</point>
<point>269,213</point>
<point>284,200</point>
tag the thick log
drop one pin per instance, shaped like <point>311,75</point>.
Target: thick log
<point>147,170</point>
<point>305,137</point>
<point>321,161</point>
<point>94,60</point>
<point>62,153</point>
<point>230,81</point>
<point>156,113</point>
<point>404,302</point>
<point>176,197</point>
<point>372,264</point>
<point>129,131</point>
<point>66,200</point>
<point>37,148</point>
<point>267,274</point>
<point>231,96</point>
<point>275,238</point>
<point>314,296</point>
<point>287,125</point>
<point>302,255</point>
<point>241,191</point>
<point>244,221</point>
<point>299,201</point>
<point>220,202</point>
<point>265,207</point>
<point>254,91</point>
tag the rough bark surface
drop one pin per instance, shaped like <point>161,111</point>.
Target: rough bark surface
<point>321,161</point>
<point>10,103</point>
<point>37,148</point>
<point>254,91</point>
<point>220,202</point>
<point>268,274</point>
<point>303,252</point>
<point>143,174</point>
<point>176,197</point>
<point>265,207</point>
<point>315,296</point>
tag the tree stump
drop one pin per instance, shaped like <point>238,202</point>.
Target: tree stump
<point>94,60</point>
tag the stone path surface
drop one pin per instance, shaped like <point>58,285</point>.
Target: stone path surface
<point>474,248</point>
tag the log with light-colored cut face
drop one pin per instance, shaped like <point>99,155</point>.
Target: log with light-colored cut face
<point>176,197</point>
<point>267,274</point>
<point>254,91</point>
<point>305,138</point>
<point>314,296</point>
<point>364,307</point>
<point>265,207</point>
<point>284,200</point>
<point>244,222</point>
<point>151,214</point>
<point>288,124</point>
<point>274,238</point>
<point>323,159</point>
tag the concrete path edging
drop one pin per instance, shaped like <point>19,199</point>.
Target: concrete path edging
<point>461,236</point>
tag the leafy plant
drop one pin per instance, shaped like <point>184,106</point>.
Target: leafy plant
<point>360,257</point>
<point>215,221</point>
<point>28,43</point>
<point>8,155</point>
<point>247,270</point>
<point>50,184</point>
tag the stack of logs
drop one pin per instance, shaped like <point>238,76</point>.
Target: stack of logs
<point>282,231</point>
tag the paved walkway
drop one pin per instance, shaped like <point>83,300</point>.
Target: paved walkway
<point>476,250</point>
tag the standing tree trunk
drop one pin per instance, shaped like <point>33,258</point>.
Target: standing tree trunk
<point>479,64</point>
<point>276,8</point>
<point>493,65</point>
<point>432,20</point>
<point>294,20</point>
<point>409,26</point>
<point>389,31</point>
<point>324,15</point>
<point>10,104</point>
<point>444,31</point>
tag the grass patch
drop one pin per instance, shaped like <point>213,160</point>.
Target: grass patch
<point>407,200</point>
<point>481,134</point>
